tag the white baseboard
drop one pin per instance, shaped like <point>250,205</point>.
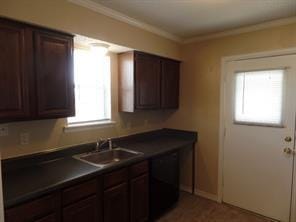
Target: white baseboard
<point>200,193</point>
<point>185,188</point>
<point>207,195</point>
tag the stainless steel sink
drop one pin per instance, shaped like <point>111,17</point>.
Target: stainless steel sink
<point>108,157</point>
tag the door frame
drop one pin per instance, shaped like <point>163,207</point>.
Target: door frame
<point>224,61</point>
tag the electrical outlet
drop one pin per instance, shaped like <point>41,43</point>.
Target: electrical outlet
<point>4,131</point>
<point>24,138</point>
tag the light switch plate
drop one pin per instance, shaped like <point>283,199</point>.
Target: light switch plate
<point>4,131</point>
<point>24,138</point>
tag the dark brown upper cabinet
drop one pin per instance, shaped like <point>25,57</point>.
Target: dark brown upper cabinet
<point>54,78</point>
<point>170,75</point>
<point>36,73</point>
<point>14,79</point>
<point>147,82</point>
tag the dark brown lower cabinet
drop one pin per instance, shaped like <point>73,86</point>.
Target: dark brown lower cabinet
<point>84,210</point>
<point>116,204</point>
<point>139,197</point>
<point>21,218</point>
<point>49,218</point>
<point>118,196</point>
<point>44,209</point>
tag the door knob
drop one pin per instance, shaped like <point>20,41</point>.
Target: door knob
<point>289,151</point>
<point>288,139</point>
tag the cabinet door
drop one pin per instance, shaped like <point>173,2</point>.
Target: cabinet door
<point>139,207</point>
<point>14,91</point>
<point>54,74</point>
<point>85,210</point>
<point>116,204</point>
<point>170,73</point>
<point>49,218</point>
<point>147,77</point>
<point>45,209</point>
<point>21,218</point>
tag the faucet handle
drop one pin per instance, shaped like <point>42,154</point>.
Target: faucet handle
<point>110,143</point>
<point>98,144</point>
<point>100,140</point>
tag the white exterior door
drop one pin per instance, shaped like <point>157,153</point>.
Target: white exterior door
<point>1,196</point>
<point>260,107</point>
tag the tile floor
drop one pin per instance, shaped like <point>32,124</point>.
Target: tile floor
<point>196,209</point>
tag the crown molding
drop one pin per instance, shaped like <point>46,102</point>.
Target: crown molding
<point>153,29</point>
<point>121,17</point>
<point>251,28</point>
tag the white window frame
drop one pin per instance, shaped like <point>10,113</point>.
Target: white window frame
<point>93,124</point>
<point>250,123</point>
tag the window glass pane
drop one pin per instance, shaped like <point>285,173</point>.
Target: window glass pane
<point>92,86</point>
<point>259,97</point>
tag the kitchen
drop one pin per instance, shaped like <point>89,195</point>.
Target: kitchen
<point>195,112</point>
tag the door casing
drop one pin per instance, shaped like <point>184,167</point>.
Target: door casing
<point>224,61</point>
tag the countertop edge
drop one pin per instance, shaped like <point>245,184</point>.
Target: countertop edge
<point>63,184</point>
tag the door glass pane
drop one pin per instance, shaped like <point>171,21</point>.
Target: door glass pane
<point>259,97</point>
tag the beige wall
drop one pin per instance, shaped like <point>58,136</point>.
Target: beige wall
<point>200,82</point>
<point>49,134</point>
<point>66,16</point>
<point>200,86</point>
<point>62,15</point>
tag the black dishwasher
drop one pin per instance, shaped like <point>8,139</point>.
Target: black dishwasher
<point>164,183</point>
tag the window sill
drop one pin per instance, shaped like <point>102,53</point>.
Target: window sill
<point>76,127</point>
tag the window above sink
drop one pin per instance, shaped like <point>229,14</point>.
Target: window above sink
<point>92,78</point>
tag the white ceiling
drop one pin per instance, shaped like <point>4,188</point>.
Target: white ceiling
<point>191,18</point>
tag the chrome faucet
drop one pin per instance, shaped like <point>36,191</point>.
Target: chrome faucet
<point>100,143</point>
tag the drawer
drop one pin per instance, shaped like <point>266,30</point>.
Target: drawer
<point>34,210</point>
<point>79,191</point>
<point>116,177</point>
<point>139,169</point>
<point>84,210</point>
<point>49,218</point>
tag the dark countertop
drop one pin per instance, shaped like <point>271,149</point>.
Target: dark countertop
<point>32,176</point>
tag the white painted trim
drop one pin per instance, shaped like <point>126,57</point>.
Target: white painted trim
<point>77,127</point>
<point>207,195</point>
<point>221,130</point>
<point>224,61</point>
<point>1,195</point>
<point>153,29</point>
<point>256,55</point>
<point>124,18</point>
<point>293,199</point>
<point>241,30</point>
<point>200,193</point>
<point>186,188</point>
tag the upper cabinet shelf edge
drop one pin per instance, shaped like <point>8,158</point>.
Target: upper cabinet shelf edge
<point>36,65</point>
<point>147,82</point>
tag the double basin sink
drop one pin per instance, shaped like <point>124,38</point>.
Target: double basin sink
<point>108,157</point>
